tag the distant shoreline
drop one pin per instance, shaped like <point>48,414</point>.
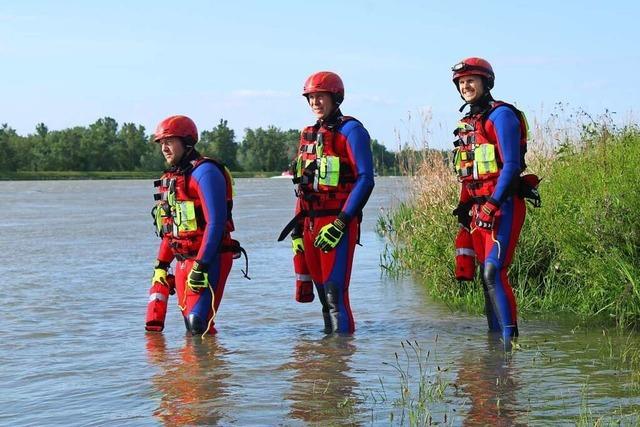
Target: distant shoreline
<point>78,175</point>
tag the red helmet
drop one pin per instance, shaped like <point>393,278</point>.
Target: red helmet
<point>179,126</point>
<point>474,66</point>
<point>325,81</point>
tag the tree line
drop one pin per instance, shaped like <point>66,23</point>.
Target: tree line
<point>107,146</point>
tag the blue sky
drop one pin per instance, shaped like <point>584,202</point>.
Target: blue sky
<point>69,63</point>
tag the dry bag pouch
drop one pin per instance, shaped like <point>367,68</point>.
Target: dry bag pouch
<point>185,217</point>
<point>329,174</point>
<point>485,159</point>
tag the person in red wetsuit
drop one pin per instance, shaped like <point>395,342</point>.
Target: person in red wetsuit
<point>489,158</point>
<point>193,218</point>
<point>334,176</point>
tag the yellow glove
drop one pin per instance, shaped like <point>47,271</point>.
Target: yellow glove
<point>198,278</point>
<point>297,244</point>
<point>330,235</point>
<point>159,275</point>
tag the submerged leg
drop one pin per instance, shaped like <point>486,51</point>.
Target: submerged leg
<point>502,301</point>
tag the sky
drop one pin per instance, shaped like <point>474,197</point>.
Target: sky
<point>69,63</point>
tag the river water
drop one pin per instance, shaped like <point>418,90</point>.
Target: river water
<point>78,260</point>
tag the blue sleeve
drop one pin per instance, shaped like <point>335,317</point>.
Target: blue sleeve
<point>507,129</point>
<point>361,158</point>
<point>211,187</point>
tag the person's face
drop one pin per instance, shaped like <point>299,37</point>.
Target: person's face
<point>471,88</point>
<point>172,149</point>
<point>321,104</point>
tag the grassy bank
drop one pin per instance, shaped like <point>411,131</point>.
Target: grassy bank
<point>55,175</point>
<point>578,253</point>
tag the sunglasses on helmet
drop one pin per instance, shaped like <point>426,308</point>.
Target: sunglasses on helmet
<point>460,66</point>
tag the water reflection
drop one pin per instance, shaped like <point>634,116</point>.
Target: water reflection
<point>191,381</point>
<point>486,378</point>
<point>321,384</point>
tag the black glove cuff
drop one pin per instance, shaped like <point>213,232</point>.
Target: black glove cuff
<point>345,218</point>
<point>494,202</point>
<point>162,264</point>
<point>200,266</point>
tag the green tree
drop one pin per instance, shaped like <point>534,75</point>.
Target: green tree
<point>135,143</point>
<point>152,158</point>
<point>264,150</point>
<point>292,141</point>
<point>62,148</point>
<point>220,144</point>
<point>384,162</point>
<point>7,152</point>
<point>100,148</point>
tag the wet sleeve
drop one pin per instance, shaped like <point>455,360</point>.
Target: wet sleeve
<point>211,188</point>
<point>507,130</point>
<point>361,159</point>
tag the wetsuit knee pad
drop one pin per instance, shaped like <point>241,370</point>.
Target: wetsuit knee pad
<point>332,292</point>
<point>489,273</point>
<point>195,324</point>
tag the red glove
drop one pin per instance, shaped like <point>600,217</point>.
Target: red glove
<point>486,213</point>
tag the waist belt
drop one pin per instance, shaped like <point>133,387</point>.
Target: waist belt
<point>302,214</point>
<point>480,200</point>
<point>184,257</point>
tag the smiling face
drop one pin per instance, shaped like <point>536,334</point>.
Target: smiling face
<point>321,104</point>
<point>172,149</point>
<point>471,88</point>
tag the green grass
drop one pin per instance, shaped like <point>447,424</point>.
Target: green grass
<point>579,253</point>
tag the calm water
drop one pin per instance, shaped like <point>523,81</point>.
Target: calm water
<point>78,259</point>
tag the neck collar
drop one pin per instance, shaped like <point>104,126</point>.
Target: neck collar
<point>186,162</point>
<point>480,106</point>
<point>332,120</point>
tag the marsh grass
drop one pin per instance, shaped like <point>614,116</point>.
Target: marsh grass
<point>422,385</point>
<point>578,253</point>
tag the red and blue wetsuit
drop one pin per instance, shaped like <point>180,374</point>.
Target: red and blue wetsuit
<point>489,160</point>
<point>196,226</point>
<point>335,178</point>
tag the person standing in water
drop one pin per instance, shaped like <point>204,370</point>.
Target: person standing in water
<point>192,216</point>
<point>334,176</point>
<point>489,158</point>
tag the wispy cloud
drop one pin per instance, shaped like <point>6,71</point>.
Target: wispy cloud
<point>265,93</point>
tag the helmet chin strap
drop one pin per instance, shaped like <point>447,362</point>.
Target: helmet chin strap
<point>189,154</point>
